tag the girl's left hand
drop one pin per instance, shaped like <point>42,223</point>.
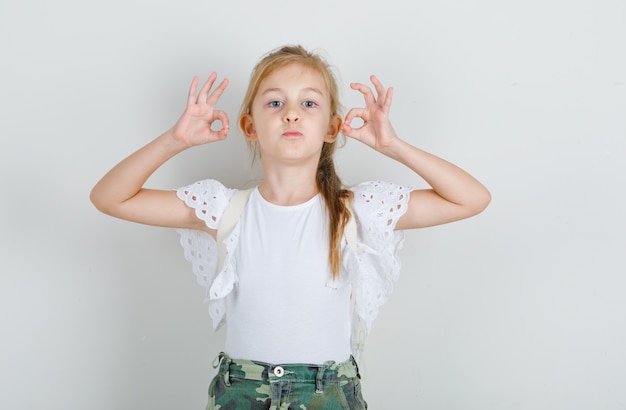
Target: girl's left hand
<point>376,130</point>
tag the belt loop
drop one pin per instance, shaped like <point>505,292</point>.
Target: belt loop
<point>319,385</point>
<point>356,366</point>
<point>223,361</point>
<point>218,360</point>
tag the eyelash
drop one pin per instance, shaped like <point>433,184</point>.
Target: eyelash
<point>306,104</point>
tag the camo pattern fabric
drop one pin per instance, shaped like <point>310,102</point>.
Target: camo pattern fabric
<point>251,385</point>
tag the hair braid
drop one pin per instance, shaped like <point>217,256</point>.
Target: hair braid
<point>337,202</point>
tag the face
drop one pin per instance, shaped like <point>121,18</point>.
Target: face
<point>290,116</point>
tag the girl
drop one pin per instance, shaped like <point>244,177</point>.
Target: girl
<point>293,261</point>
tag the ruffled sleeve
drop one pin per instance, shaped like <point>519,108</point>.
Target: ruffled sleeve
<point>374,266</point>
<point>209,199</point>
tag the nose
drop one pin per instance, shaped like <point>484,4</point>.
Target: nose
<point>291,115</point>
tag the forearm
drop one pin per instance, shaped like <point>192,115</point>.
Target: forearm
<point>127,178</point>
<point>446,179</point>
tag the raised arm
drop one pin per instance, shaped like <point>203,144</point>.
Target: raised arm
<point>455,194</point>
<point>120,192</point>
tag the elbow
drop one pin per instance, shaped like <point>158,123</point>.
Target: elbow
<point>476,203</point>
<point>481,201</point>
<point>95,200</point>
<point>99,202</point>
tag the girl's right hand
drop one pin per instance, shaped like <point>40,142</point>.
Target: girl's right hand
<point>194,126</point>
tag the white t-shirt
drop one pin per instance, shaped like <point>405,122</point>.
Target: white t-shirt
<point>282,311</point>
<point>275,289</point>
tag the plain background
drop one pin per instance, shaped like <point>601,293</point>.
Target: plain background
<point>521,307</point>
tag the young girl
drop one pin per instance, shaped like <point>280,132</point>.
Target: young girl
<point>293,260</point>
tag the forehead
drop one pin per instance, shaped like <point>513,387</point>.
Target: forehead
<point>294,75</point>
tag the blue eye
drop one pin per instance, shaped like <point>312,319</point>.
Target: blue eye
<point>309,104</point>
<point>275,104</point>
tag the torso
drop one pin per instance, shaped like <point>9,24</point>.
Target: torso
<point>282,311</point>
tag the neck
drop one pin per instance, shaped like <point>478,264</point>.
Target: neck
<point>288,185</point>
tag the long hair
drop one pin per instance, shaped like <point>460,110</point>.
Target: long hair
<point>328,182</point>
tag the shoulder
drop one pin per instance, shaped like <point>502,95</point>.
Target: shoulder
<point>205,187</point>
<point>377,194</point>
<point>380,203</point>
<point>205,191</point>
<point>208,198</point>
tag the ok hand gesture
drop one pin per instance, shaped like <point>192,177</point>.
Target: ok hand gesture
<point>194,126</point>
<point>376,130</point>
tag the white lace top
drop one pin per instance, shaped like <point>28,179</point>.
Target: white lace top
<point>372,267</point>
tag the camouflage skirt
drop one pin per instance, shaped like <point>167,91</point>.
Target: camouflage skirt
<point>251,385</point>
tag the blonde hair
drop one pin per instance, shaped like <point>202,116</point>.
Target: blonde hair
<point>330,186</point>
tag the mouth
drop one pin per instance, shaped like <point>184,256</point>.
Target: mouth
<point>292,134</point>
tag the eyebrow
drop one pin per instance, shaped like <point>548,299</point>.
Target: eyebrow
<point>276,89</point>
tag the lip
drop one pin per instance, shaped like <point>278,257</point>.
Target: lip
<point>292,134</point>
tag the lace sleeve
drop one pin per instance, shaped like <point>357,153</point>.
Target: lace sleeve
<point>377,207</point>
<point>209,199</point>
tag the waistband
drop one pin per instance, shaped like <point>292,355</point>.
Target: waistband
<point>329,371</point>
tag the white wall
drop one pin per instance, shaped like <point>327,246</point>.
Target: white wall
<point>521,307</point>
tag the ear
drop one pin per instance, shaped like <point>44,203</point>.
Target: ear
<point>334,126</point>
<point>247,126</point>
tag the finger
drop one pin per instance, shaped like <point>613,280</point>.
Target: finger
<point>350,132</point>
<point>380,90</point>
<point>191,96</point>
<point>366,91</point>
<point>388,98</point>
<point>352,114</point>
<point>204,91</point>
<point>222,117</point>
<point>347,129</point>
<point>223,133</point>
<point>217,93</point>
